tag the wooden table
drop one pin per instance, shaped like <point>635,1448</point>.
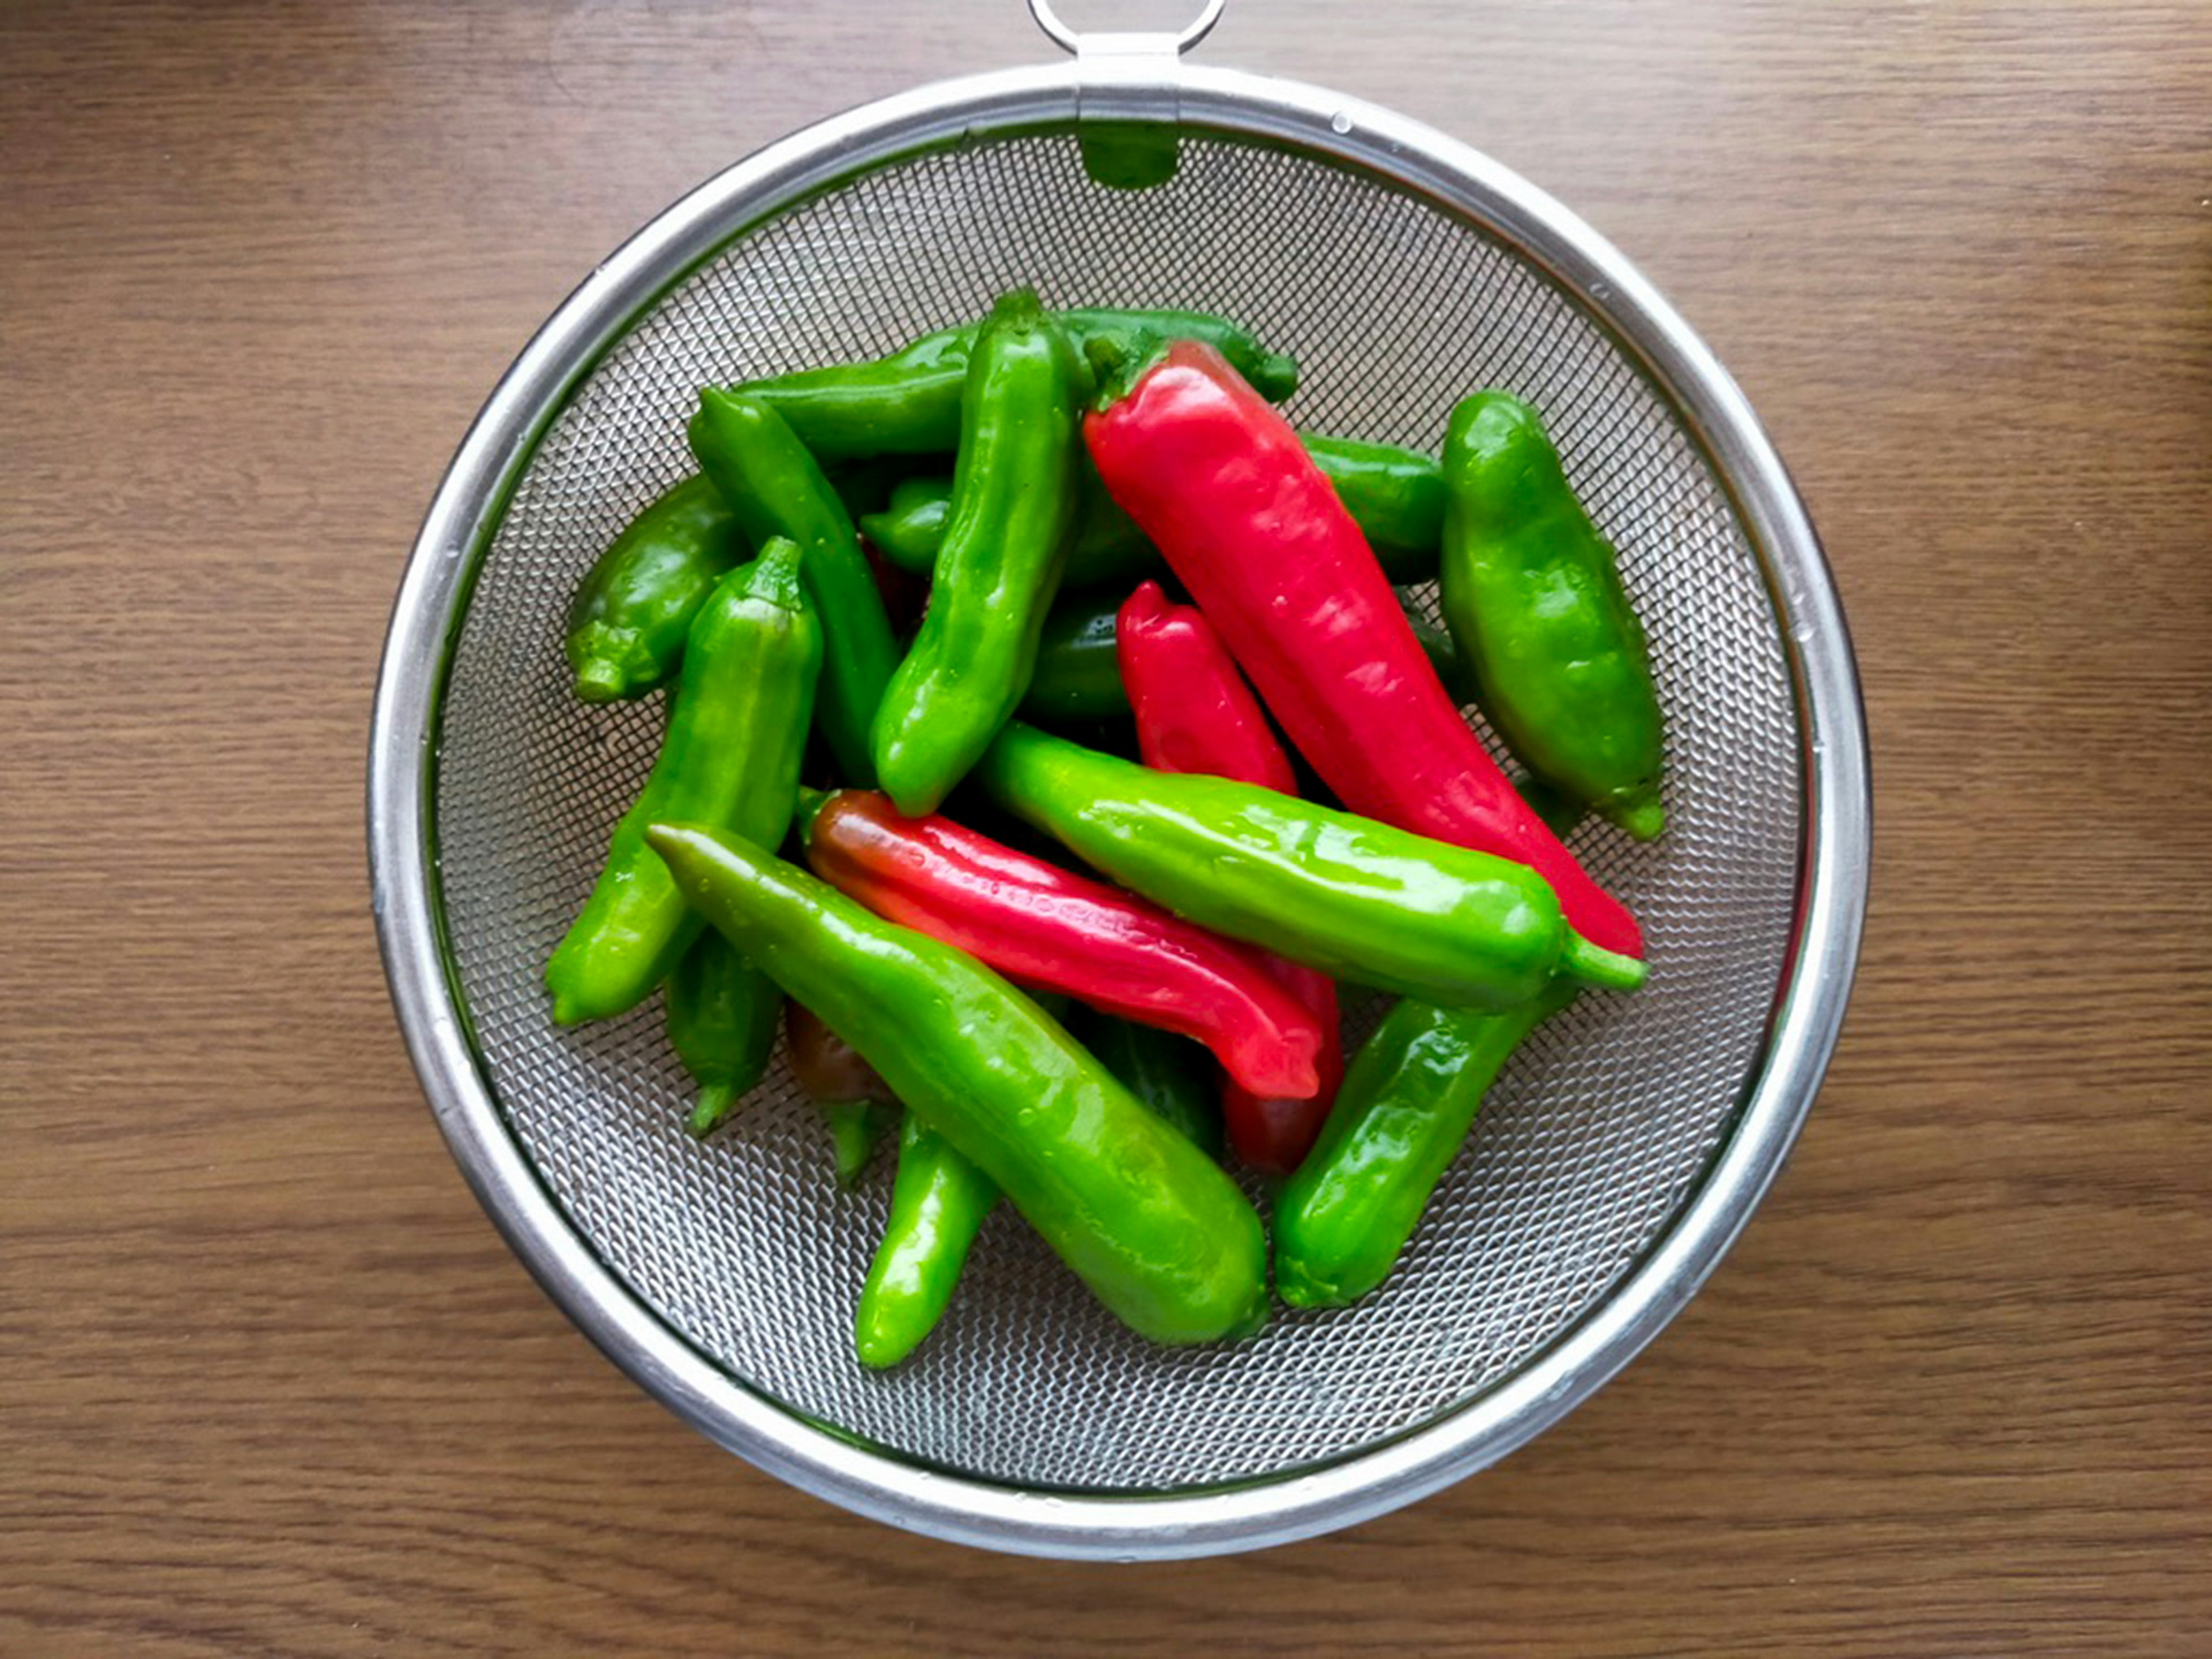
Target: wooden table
<point>269,1385</point>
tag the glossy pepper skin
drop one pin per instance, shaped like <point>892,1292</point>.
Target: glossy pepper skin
<point>938,1203</point>
<point>1195,714</point>
<point>1359,900</point>
<point>1394,495</point>
<point>720,1015</point>
<point>1159,1235</point>
<point>628,622</point>
<point>1005,547</point>
<point>908,402</point>
<point>858,1107</point>
<point>1255,532</point>
<point>1532,593</point>
<point>775,488</point>
<point>1405,1110</point>
<point>737,728</point>
<point>1048,929</point>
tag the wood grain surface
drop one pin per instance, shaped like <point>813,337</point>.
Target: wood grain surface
<point>269,1383</point>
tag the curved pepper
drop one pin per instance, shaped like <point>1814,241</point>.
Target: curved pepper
<point>1404,1111</point>
<point>1195,714</point>
<point>1044,928</point>
<point>1532,593</point>
<point>776,488</point>
<point>908,402</point>
<point>721,1017</point>
<point>940,1200</point>
<point>1004,551</point>
<point>627,622</point>
<point>1254,531</point>
<point>1394,495</point>
<point>1159,1234</point>
<point>737,728</point>
<point>938,1203</point>
<point>1358,900</point>
<point>857,1106</point>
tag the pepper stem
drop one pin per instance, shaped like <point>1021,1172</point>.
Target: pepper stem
<point>1642,819</point>
<point>599,680</point>
<point>716,1101</point>
<point>1118,361</point>
<point>1595,965</point>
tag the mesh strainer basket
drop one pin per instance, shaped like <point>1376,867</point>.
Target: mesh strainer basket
<point>1621,1150</point>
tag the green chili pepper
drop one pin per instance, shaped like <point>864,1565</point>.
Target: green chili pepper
<point>938,1202</point>
<point>1396,496</point>
<point>1359,900</point>
<point>940,1199</point>
<point>1534,594</point>
<point>1004,551</point>
<point>627,623</point>
<point>737,727</point>
<point>1171,1074</point>
<point>908,402</point>
<point>1128,154</point>
<point>1160,1235</point>
<point>775,488</point>
<point>721,1014</point>
<point>1408,1099</point>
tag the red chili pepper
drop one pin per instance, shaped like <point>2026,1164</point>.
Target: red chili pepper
<point>1221,485</point>
<point>1046,928</point>
<point>1195,714</point>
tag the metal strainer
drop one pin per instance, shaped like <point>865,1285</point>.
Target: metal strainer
<point>1623,1148</point>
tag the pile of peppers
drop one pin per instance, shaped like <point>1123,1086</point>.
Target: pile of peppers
<point>1051,731</point>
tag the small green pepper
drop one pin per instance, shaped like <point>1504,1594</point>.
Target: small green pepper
<point>908,402</point>
<point>1532,593</point>
<point>938,1203</point>
<point>737,727</point>
<point>721,1014</point>
<point>1407,1101</point>
<point>1005,547</point>
<point>776,488</point>
<point>1160,1235</point>
<point>627,623</point>
<point>1359,900</point>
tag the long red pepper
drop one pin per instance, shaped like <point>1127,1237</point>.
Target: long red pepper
<point>1220,482</point>
<point>1195,714</point>
<point>1048,929</point>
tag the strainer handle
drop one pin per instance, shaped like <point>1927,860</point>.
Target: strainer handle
<point>1069,40</point>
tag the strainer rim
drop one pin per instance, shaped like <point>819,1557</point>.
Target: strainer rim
<point>433,1017</point>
